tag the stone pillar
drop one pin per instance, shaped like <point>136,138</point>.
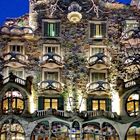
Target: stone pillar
<point>50,127</point>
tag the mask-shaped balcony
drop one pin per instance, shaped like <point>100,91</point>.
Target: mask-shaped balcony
<point>132,60</point>
<point>51,60</point>
<point>99,59</point>
<point>50,85</point>
<point>15,59</point>
<point>98,86</point>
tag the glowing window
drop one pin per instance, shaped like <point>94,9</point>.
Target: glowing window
<point>133,104</point>
<point>51,103</point>
<point>99,104</point>
<point>13,102</point>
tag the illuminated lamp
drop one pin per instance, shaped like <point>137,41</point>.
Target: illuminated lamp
<point>74,14</point>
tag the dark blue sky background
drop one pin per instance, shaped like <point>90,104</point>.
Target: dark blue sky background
<point>16,8</point>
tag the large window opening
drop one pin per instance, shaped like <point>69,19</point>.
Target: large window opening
<point>132,104</point>
<point>13,102</point>
<point>133,132</point>
<point>51,28</point>
<point>12,130</point>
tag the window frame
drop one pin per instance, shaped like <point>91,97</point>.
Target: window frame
<point>133,101</point>
<point>130,21</point>
<point>50,103</point>
<point>10,105</point>
<point>95,71</point>
<point>51,21</point>
<point>51,46</point>
<point>98,23</point>
<point>16,70</point>
<point>99,104</point>
<point>50,70</point>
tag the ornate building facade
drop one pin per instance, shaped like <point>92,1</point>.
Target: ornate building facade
<point>70,70</point>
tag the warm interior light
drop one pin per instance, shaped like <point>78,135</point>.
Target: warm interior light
<point>32,106</point>
<point>74,17</point>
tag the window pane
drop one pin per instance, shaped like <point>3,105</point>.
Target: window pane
<point>51,76</point>
<point>47,104</point>
<point>20,104</point>
<point>97,50</point>
<point>17,72</point>
<point>13,103</point>
<point>49,49</point>
<point>54,104</point>
<point>95,105</point>
<point>51,29</point>
<point>5,104</point>
<point>136,106</point>
<point>98,76</point>
<point>130,107</point>
<point>102,105</point>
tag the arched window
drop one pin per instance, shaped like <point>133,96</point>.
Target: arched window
<point>13,102</point>
<point>132,105</point>
<point>133,132</point>
<point>41,131</point>
<point>12,130</point>
<point>91,131</point>
<point>109,132</point>
<point>59,131</point>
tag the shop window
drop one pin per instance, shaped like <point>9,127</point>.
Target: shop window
<point>98,30</point>
<point>13,102</point>
<point>51,28</point>
<point>132,104</point>
<point>12,130</point>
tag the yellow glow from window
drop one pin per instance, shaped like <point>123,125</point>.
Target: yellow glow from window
<point>54,104</point>
<point>47,104</point>
<point>102,105</point>
<point>32,105</point>
<point>5,104</point>
<point>115,100</point>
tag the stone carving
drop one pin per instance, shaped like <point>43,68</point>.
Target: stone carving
<point>29,82</point>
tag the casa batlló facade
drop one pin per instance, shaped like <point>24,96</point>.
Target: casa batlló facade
<point>70,70</point>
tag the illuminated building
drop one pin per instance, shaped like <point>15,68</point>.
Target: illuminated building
<point>71,70</point>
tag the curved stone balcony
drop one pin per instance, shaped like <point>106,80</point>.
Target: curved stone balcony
<point>49,59</point>
<point>16,30</point>
<point>98,59</point>
<point>132,60</point>
<point>15,59</point>
<point>50,85</point>
<point>98,86</point>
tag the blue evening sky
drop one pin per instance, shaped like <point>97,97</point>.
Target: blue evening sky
<point>16,8</point>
